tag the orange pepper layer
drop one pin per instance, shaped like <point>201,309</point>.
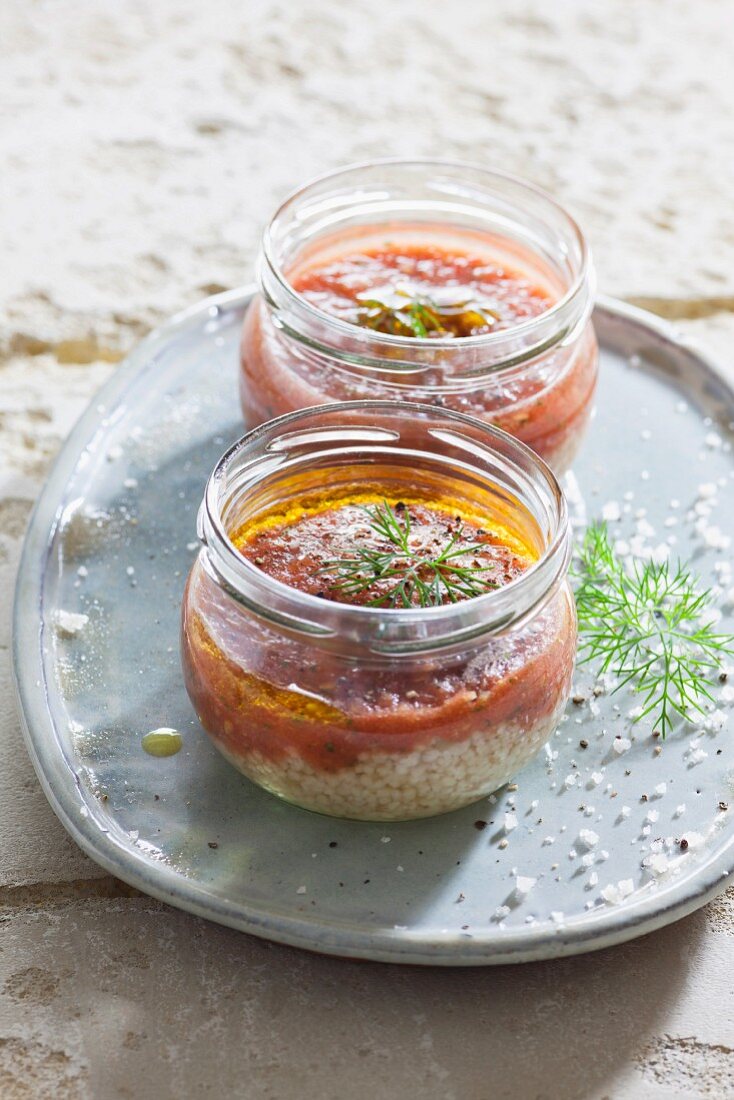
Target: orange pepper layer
<point>293,543</point>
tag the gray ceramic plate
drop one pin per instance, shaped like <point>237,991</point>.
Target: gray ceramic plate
<point>112,539</point>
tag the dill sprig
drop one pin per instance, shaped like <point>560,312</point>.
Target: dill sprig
<point>647,625</point>
<point>413,575</point>
<point>399,312</point>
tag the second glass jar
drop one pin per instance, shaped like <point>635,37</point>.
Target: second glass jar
<point>534,377</point>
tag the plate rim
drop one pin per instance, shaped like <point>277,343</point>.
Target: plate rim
<point>64,791</point>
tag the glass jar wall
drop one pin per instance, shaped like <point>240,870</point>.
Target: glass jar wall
<point>369,712</point>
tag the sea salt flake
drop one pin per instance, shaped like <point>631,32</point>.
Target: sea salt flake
<point>660,790</point>
<point>594,780</point>
<point>587,839</point>
<point>658,864</point>
<point>523,886</point>
<point>695,840</point>
<point>69,623</point>
<point>611,512</point>
<point>621,745</point>
<point>510,822</point>
<point>610,894</point>
<point>301,890</point>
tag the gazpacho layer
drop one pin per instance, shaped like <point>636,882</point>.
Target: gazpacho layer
<point>426,290</point>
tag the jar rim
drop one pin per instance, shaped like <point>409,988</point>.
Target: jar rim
<point>565,316</point>
<point>389,629</point>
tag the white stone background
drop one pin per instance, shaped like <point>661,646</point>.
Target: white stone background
<point>142,146</point>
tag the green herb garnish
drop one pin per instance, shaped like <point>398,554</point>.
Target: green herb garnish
<point>414,576</point>
<point>398,311</point>
<point>647,625</point>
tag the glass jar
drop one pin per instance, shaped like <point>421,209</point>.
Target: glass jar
<point>366,712</point>
<point>536,378</point>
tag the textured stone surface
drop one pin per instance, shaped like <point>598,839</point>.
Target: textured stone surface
<point>143,145</point>
<point>195,1010</point>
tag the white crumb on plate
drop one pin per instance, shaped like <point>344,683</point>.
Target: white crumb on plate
<point>69,623</point>
<point>613,893</point>
<point>523,886</point>
<point>587,839</point>
<point>658,863</point>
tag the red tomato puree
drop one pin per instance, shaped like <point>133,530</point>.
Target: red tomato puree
<point>424,274</point>
<point>427,291</point>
